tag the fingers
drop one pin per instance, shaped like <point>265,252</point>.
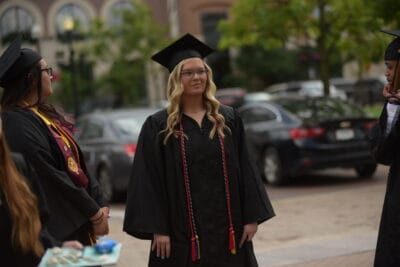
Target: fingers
<point>243,239</point>
<point>162,245</point>
<point>249,230</point>
<point>72,244</point>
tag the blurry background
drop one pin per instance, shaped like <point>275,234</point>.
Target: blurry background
<point>101,48</point>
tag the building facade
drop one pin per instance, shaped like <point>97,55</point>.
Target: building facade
<point>45,23</point>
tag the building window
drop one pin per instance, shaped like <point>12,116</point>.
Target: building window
<point>16,20</point>
<point>114,17</point>
<point>71,19</point>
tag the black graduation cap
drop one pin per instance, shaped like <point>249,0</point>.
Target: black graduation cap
<point>15,61</point>
<point>185,47</point>
<point>393,49</point>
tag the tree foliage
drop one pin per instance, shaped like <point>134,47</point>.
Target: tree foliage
<point>123,51</point>
<point>332,27</point>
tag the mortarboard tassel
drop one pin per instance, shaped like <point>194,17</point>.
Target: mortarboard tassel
<point>232,242</point>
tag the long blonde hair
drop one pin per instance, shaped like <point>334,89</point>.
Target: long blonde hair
<point>22,205</point>
<point>174,109</point>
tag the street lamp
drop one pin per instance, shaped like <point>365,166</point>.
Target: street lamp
<point>68,25</point>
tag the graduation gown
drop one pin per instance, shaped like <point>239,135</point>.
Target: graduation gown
<point>70,206</point>
<point>156,201</point>
<point>8,254</point>
<point>385,150</point>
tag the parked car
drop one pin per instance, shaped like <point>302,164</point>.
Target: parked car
<point>312,88</point>
<point>293,135</point>
<point>233,97</point>
<point>108,141</point>
<point>344,85</point>
<point>236,96</point>
<point>368,91</point>
<point>257,97</point>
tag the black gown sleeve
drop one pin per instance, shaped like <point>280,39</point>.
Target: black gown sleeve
<point>146,207</point>
<point>256,204</point>
<point>25,135</point>
<point>382,145</point>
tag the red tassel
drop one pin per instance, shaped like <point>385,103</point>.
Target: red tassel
<point>232,243</point>
<point>193,249</point>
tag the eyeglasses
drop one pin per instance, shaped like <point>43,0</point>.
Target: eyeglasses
<point>49,71</point>
<point>189,74</point>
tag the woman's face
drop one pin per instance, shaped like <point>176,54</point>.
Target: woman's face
<point>193,77</point>
<point>46,76</point>
<point>390,70</point>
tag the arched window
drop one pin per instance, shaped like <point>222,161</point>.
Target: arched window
<point>71,20</point>
<point>114,17</point>
<point>16,20</point>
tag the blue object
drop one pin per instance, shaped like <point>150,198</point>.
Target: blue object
<point>105,246</point>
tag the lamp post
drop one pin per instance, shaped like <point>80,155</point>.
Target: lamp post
<point>68,25</point>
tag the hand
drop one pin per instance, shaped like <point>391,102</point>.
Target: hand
<point>162,244</point>
<point>249,230</point>
<point>392,95</point>
<point>100,222</point>
<point>72,244</point>
<point>387,90</point>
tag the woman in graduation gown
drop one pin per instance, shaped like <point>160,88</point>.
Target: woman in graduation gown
<point>385,144</point>
<point>194,190</point>
<point>42,135</point>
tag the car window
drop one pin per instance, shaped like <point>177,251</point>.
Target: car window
<point>258,114</point>
<point>127,126</point>
<point>92,130</point>
<point>294,89</point>
<point>322,108</point>
<point>312,89</point>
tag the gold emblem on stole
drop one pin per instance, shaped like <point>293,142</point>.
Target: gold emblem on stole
<point>72,165</point>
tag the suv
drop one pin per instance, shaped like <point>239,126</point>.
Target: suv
<point>304,88</point>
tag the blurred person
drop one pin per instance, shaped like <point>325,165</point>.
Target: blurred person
<point>43,136</point>
<point>385,142</point>
<point>23,238</point>
<point>194,190</point>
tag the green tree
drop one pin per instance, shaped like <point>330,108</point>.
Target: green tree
<point>124,50</point>
<point>331,26</point>
<point>388,10</point>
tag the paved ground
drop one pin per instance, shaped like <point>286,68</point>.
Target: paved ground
<point>335,228</point>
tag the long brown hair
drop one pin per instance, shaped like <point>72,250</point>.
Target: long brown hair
<point>22,204</point>
<point>174,95</point>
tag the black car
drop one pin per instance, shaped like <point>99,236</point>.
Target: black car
<point>290,136</point>
<point>108,141</point>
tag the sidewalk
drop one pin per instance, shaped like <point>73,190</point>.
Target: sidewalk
<point>361,259</point>
<point>317,230</point>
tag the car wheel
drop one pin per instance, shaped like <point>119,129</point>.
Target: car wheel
<point>366,171</point>
<point>272,167</point>
<point>105,183</point>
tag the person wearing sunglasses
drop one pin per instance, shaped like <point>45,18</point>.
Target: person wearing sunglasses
<point>43,135</point>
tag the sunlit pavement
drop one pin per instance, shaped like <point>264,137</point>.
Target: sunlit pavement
<point>316,225</point>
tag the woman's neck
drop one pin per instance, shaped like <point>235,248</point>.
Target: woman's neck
<point>193,105</point>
